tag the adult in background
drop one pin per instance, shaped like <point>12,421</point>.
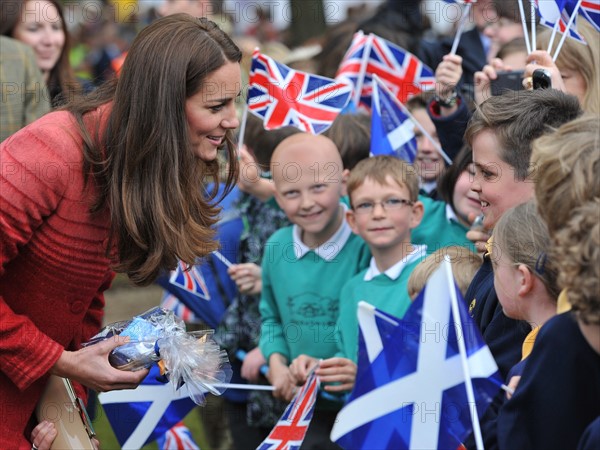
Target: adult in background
<point>109,183</point>
<point>41,25</point>
<point>23,89</point>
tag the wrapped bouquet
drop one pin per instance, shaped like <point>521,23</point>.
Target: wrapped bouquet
<point>158,336</point>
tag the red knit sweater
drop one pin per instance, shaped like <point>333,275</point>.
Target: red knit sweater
<point>53,268</point>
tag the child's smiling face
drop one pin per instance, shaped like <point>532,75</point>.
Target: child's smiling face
<point>495,181</point>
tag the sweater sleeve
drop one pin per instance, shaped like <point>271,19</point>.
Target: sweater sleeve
<point>272,339</point>
<point>345,301</point>
<point>450,129</point>
<point>30,190</point>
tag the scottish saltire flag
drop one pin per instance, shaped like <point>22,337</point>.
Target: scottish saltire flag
<point>140,416</point>
<point>281,96</point>
<point>177,438</point>
<point>410,389</point>
<point>401,71</point>
<point>290,430</point>
<point>392,131</point>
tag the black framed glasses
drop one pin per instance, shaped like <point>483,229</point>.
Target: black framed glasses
<point>389,204</point>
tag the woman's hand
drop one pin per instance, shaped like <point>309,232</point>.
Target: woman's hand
<point>447,76</point>
<point>90,367</point>
<point>247,277</point>
<point>541,59</point>
<point>44,433</point>
<point>484,78</point>
<point>252,363</point>
<point>337,370</point>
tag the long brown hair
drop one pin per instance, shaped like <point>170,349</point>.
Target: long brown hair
<point>62,84</point>
<point>143,164</point>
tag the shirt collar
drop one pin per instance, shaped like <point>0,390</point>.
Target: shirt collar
<point>328,250</point>
<point>428,186</point>
<point>450,214</point>
<point>394,272</point>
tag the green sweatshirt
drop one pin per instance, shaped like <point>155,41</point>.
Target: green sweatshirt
<point>387,294</point>
<point>436,230</point>
<point>300,298</point>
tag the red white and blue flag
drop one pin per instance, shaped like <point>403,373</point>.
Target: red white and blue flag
<point>282,96</point>
<point>170,302</point>
<point>289,432</point>
<point>590,10</point>
<point>190,280</point>
<point>354,64</point>
<point>559,10</point>
<point>177,438</point>
<point>401,71</point>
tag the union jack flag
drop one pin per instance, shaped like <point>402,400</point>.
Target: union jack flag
<point>285,97</point>
<point>401,71</point>
<point>590,10</point>
<point>170,302</point>
<point>289,432</point>
<point>190,280</point>
<point>177,438</point>
<point>354,64</point>
<point>560,10</point>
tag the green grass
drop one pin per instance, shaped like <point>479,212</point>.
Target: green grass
<point>108,440</point>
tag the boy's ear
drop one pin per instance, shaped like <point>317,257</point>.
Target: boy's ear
<point>277,197</point>
<point>345,175</point>
<point>417,214</point>
<point>351,219</point>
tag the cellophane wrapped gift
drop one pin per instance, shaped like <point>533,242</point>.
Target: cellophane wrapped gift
<point>190,358</point>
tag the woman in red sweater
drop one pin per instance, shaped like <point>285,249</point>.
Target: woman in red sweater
<point>109,183</point>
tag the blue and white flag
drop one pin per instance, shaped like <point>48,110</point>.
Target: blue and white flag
<point>139,416</point>
<point>392,131</point>
<point>411,390</point>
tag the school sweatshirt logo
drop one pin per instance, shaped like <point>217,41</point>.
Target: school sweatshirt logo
<point>312,308</point>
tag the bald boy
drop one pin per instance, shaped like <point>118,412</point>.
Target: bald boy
<point>305,266</point>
